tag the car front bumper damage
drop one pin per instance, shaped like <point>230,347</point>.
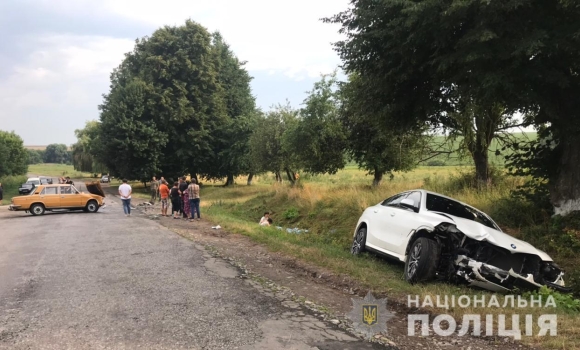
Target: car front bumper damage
<point>486,276</point>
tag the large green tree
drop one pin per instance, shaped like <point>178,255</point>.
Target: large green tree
<point>317,142</point>
<point>422,58</point>
<point>87,148</point>
<point>268,152</point>
<point>375,143</point>
<point>35,156</point>
<point>56,153</point>
<point>13,155</point>
<point>165,105</point>
<point>134,144</point>
<point>230,143</point>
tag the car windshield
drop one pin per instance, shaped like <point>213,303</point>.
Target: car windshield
<point>451,207</point>
<point>33,182</point>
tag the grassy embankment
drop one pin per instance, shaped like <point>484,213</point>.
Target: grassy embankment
<point>329,207</point>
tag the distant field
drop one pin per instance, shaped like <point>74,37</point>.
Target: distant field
<point>56,170</point>
<point>36,148</point>
<point>456,159</point>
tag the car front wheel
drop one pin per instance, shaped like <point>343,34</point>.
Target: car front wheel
<point>421,264</point>
<point>92,207</point>
<point>359,241</point>
<point>37,209</point>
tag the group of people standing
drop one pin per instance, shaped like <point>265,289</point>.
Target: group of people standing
<point>184,196</point>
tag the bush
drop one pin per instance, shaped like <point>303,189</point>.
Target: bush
<point>291,213</point>
<point>10,185</point>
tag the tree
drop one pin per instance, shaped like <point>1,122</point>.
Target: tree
<point>165,106</point>
<point>520,55</point>
<point>409,53</point>
<point>317,142</point>
<point>86,150</point>
<point>266,146</point>
<point>374,143</point>
<point>35,156</point>
<point>134,144</point>
<point>13,155</point>
<point>231,140</point>
<point>56,153</point>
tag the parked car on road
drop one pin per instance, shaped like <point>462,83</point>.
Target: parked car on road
<point>61,196</point>
<point>29,185</point>
<point>105,179</point>
<point>438,237</point>
<point>44,180</point>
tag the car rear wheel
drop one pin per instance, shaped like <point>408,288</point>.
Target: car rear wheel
<point>421,264</point>
<point>37,209</point>
<point>92,207</point>
<point>359,241</point>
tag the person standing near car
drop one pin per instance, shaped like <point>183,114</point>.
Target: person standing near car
<point>125,191</point>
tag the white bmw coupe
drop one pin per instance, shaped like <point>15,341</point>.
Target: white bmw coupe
<point>438,237</point>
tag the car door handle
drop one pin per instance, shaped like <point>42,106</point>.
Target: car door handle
<point>392,213</point>
<point>376,211</point>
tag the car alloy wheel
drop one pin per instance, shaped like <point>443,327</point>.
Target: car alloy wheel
<point>414,260</point>
<point>359,241</point>
<point>422,261</point>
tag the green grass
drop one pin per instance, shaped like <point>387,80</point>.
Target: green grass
<point>329,207</point>
<point>56,170</point>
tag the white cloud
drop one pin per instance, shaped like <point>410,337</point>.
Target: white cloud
<point>61,74</point>
<point>285,37</point>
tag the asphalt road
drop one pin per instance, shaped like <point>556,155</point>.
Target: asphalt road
<point>106,281</point>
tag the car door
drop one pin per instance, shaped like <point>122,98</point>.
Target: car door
<point>49,197</point>
<point>69,197</point>
<point>379,231</point>
<point>397,221</point>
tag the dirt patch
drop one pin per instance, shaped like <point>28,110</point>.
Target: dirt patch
<point>313,285</point>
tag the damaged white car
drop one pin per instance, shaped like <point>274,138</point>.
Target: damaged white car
<point>438,237</point>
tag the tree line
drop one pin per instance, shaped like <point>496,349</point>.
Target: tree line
<point>15,158</point>
<point>181,102</point>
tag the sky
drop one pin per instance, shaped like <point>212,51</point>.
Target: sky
<point>56,55</point>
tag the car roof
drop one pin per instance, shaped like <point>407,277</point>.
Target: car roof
<point>441,195</point>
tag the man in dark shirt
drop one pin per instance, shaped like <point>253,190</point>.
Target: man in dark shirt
<point>1,193</point>
<point>183,187</point>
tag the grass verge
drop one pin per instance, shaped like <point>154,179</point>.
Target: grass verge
<point>10,184</point>
<point>329,210</point>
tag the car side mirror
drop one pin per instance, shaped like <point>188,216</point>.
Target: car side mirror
<point>409,203</point>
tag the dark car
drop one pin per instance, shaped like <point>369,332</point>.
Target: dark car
<point>26,188</point>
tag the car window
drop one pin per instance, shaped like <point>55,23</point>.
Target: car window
<point>394,200</point>
<point>65,190</point>
<point>48,190</point>
<point>451,207</point>
<point>416,198</point>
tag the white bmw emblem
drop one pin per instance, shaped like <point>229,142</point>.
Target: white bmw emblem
<point>513,246</point>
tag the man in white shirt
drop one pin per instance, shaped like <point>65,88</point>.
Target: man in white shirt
<point>125,191</point>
